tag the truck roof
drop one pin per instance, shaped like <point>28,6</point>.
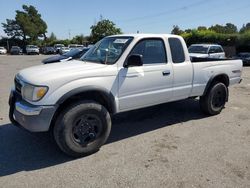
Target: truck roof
<point>143,35</point>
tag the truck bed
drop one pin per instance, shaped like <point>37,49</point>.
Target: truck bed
<point>199,59</point>
<point>205,70</point>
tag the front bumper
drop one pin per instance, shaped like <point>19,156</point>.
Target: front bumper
<point>28,116</point>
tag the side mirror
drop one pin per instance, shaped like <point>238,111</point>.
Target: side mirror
<point>134,60</point>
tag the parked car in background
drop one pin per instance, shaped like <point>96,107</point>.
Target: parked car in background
<point>16,50</point>
<point>72,54</point>
<point>206,51</point>
<point>245,57</point>
<point>48,50</point>
<point>57,47</point>
<point>3,50</point>
<point>32,49</point>
<point>64,50</point>
<point>80,46</point>
<point>73,46</point>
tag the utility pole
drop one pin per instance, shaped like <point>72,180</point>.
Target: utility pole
<point>69,34</point>
<point>8,47</point>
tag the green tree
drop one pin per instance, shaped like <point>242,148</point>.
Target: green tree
<point>102,29</point>
<point>202,28</point>
<point>245,28</point>
<point>78,39</point>
<point>188,30</point>
<point>51,40</point>
<point>12,29</point>
<point>27,24</point>
<point>52,37</point>
<point>230,28</point>
<point>217,28</point>
<point>176,30</point>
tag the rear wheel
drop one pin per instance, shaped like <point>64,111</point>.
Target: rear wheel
<point>82,128</point>
<point>215,99</point>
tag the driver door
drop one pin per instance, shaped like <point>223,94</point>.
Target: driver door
<point>149,84</point>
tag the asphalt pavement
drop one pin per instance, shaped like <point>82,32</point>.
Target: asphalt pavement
<point>169,145</point>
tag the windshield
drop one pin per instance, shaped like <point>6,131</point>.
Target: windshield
<point>108,50</point>
<point>198,49</point>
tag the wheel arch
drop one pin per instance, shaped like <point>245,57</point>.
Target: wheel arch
<point>97,94</point>
<point>223,78</point>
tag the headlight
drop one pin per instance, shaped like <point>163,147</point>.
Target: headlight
<point>33,93</point>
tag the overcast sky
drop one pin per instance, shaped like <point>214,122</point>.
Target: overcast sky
<point>73,17</point>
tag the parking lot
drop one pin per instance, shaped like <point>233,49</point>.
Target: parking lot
<point>170,145</point>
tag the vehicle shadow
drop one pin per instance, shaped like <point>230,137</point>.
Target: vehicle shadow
<point>24,151</point>
<point>133,123</point>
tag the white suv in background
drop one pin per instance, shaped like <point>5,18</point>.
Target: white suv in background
<point>58,47</point>
<point>32,49</point>
<point>206,51</point>
<point>3,50</point>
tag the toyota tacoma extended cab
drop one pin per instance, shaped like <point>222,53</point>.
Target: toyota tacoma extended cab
<point>75,100</point>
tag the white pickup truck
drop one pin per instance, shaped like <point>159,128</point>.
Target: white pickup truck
<point>75,100</point>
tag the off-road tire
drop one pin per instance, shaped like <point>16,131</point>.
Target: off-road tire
<point>215,99</point>
<point>64,125</point>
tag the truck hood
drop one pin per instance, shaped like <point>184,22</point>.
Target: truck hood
<point>198,55</point>
<point>63,72</point>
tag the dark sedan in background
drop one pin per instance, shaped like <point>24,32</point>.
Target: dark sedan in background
<point>48,50</point>
<point>16,50</point>
<point>245,57</point>
<point>72,54</point>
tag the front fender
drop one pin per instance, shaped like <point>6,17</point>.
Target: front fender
<point>109,97</point>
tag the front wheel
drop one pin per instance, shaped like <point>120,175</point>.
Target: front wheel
<point>82,128</point>
<point>215,99</point>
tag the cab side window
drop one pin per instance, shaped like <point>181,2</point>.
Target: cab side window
<point>152,51</point>
<point>177,51</point>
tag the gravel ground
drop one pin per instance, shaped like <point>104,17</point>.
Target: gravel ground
<point>170,145</point>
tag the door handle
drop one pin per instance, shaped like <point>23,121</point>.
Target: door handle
<point>166,73</point>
